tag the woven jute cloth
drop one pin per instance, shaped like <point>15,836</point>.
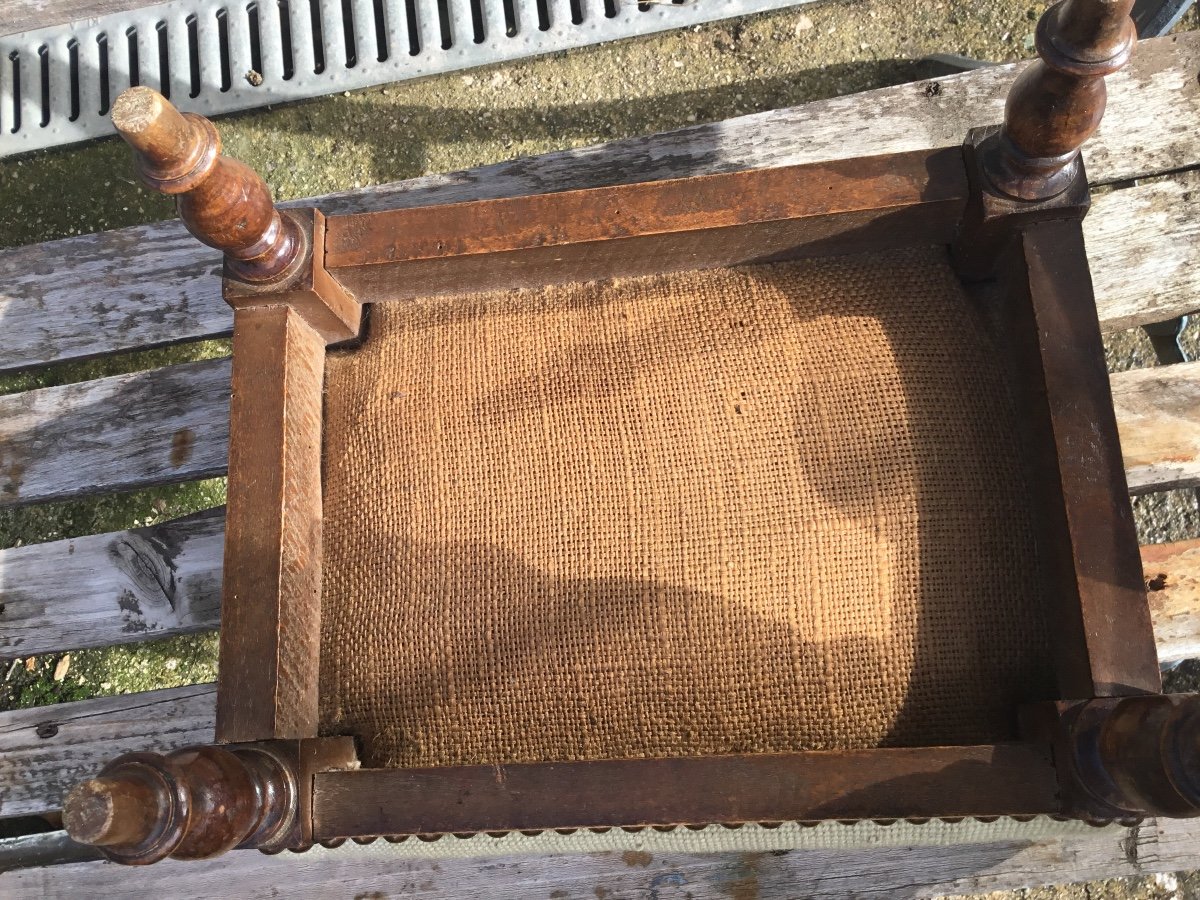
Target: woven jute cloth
<point>761,509</point>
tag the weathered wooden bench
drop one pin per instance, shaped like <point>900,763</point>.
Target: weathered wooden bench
<point>94,295</point>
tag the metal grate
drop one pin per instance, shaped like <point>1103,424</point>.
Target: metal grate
<point>56,84</point>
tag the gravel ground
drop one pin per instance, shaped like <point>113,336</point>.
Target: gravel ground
<point>456,121</point>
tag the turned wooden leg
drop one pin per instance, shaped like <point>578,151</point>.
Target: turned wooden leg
<point>271,257</point>
<point>222,202</point>
<point>1135,755</point>
<point>190,804</point>
<point>1057,102</point>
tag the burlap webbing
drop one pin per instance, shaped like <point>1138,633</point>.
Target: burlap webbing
<point>761,509</point>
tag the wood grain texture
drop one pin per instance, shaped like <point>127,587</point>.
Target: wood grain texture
<point>35,771</point>
<point>877,872</point>
<point>171,424</point>
<point>131,289</point>
<point>58,600</point>
<point>271,593</point>
<point>108,589</point>
<point>45,750</point>
<point>309,289</point>
<point>1172,573</point>
<point>1158,414</point>
<point>588,216</point>
<point>151,285</point>
<point>1143,244</point>
<point>157,427</point>
<point>1105,638</point>
<point>222,201</point>
<point>737,218</point>
<point>1057,103</point>
<point>25,15</point>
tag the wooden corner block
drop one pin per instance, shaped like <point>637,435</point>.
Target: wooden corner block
<point>993,220</point>
<point>308,288</point>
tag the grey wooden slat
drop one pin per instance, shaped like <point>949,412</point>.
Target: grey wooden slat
<point>1158,414</point>
<point>171,424</point>
<point>55,848</point>
<point>43,751</point>
<point>877,872</point>
<point>132,585</point>
<point>130,289</point>
<point>1144,249</point>
<point>152,285</point>
<point>149,583</point>
<point>157,427</point>
<point>115,588</point>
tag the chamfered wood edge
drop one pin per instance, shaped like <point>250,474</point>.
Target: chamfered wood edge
<point>726,219</point>
<point>271,592</point>
<point>1087,542</point>
<point>310,291</point>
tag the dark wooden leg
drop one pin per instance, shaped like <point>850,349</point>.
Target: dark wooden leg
<point>1029,169</point>
<point>200,802</point>
<point>288,310</point>
<point>1125,757</point>
<point>192,804</point>
<point>1057,103</point>
<point>222,202</point>
<point>271,257</point>
<point>257,790</point>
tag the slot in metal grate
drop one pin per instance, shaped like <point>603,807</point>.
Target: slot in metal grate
<point>57,84</point>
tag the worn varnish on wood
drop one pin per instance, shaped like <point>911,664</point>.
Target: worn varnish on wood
<point>720,220</point>
<point>1103,628</point>
<point>271,607</point>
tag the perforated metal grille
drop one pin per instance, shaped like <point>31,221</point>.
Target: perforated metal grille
<point>56,84</point>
